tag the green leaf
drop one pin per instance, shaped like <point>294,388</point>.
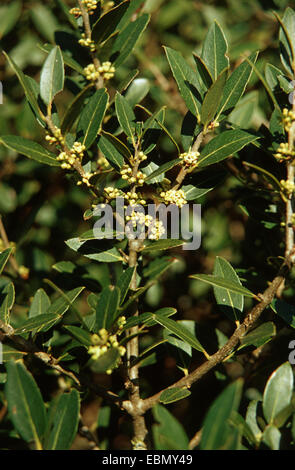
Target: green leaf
<point>107,307</point>
<point>284,310</point>
<point>259,336</point>
<point>278,392</point>
<point>52,76</point>
<point>192,193</point>
<point>251,419</point>
<point>174,394</point>
<point>125,115</point>
<point>137,91</point>
<point>98,252</point>
<point>64,422</point>
<point>179,330</point>
<point>74,110</point>
<point>107,24</point>
<point>25,404</point>
<point>223,283</point>
<point>110,152</point>
<point>61,305</point>
<point>147,318</point>
<point>40,303</point>
<point>162,169</point>
<point>79,334</point>
<point>29,148</point>
<point>212,98</point>
<point>214,51</point>
<point>8,17</point>
<point>39,323</point>
<point>124,283</point>
<point>231,303</point>
<point>7,297</point>
<point>161,245</point>
<point>287,41</point>
<point>127,39</point>
<point>158,266</point>
<point>4,258</point>
<point>203,71</point>
<point>187,81</point>
<point>169,434</point>
<point>106,361</point>
<point>26,84</point>
<point>10,353</point>
<point>235,86</point>
<point>217,433</point>
<point>89,124</point>
<point>243,428</point>
<point>272,437</point>
<point>224,145</point>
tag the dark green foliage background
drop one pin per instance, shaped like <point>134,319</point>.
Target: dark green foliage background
<point>42,208</point>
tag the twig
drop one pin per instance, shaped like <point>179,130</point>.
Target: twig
<point>231,344</point>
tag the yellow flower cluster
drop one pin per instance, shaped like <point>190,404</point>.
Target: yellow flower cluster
<point>140,157</point>
<point>57,137</point>
<point>155,227</point>
<point>90,6</point>
<point>190,158</point>
<point>87,42</point>
<point>288,119</point>
<point>288,187</point>
<point>134,198</point>
<point>284,152</point>
<point>126,172</point>
<point>102,163</point>
<point>106,70</point>
<point>85,179</point>
<point>103,341</point>
<point>75,153</point>
<point>112,193</point>
<point>138,218</point>
<point>156,230</point>
<point>174,196</point>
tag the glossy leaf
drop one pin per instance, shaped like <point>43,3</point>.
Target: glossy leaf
<point>287,41</point>
<point>89,124</point>
<point>259,336</point>
<point>272,437</point>
<point>25,404</point>
<point>127,39</point>
<point>169,433</point>
<point>4,256</point>
<point>187,81</point>
<point>212,98</point>
<point>217,433</point>
<point>124,283</point>
<point>251,419</point>
<point>220,282</point>
<point>107,307</point>
<point>64,422</point>
<point>7,297</point>
<point>74,109</point>
<point>231,303</point>
<point>110,152</point>
<point>214,51</point>
<point>126,116</point>
<point>38,323</point>
<point>40,303</point>
<point>235,86</point>
<point>26,84</point>
<point>52,76</point>
<point>29,148</point>
<point>99,252</point>
<point>224,145</point>
<point>161,245</point>
<point>278,392</point>
<point>162,169</point>
<point>284,310</point>
<point>174,394</point>
<point>79,334</point>
<point>107,24</point>
<point>179,330</point>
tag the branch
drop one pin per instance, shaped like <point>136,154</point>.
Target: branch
<point>233,341</point>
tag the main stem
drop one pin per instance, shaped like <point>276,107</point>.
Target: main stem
<point>140,430</point>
